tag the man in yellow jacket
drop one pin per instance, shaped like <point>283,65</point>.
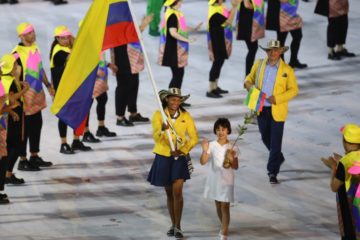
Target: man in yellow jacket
<point>278,81</point>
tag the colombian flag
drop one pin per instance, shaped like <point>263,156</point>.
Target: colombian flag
<point>107,24</point>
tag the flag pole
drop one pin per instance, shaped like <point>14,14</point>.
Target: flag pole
<point>151,76</point>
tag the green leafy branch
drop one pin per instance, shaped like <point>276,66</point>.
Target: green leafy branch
<point>241,129</point>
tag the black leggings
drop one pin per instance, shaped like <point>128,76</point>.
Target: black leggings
<point>337,30</point>
<point>295,43</point>
<point>13,138</point>
<point>3,167</point>
<point>250,57</point>
<point>100,108</point>
<point>32,132</point>
<point>126,93</point>
<point>216,69</point>
<point>177,77</point>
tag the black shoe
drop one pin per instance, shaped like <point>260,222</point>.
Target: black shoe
<point>38,161</point>
<point>3,1</point>
<point>138,118</point>
<point>184,104</point>
<point>13,1</point>
<point>58,2</point>
<point>345,53</point>
<point>89,137</point>
<point>124,122</point>
<point>4,199</point>
<point>297,64</point>
<point>334,56</point>
<point>221,91</point>
<point>14,180</point>
<point>171,232</point>
<point>77,145</point>
<point>104,132</point>
<point>25,165</point>
<point>66,149</point>
<point>213,94</point>
<point>178,233</point>
<point>273,179</point>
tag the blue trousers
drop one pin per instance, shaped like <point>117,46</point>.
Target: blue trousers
<point>271,135</point>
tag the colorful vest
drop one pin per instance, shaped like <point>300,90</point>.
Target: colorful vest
<point>348,161</point>
<point>182,47</point>
<point>228,35</point>
<point>101,84</point>
<point>136,57</point>
<point>356,212</point>
<point>33,73</point>
<point>6,81</point>
<point>258,22</point>
<point>289,19</point>
<point>338,8</point>
<point>3,117</point>
<point>57,49</point>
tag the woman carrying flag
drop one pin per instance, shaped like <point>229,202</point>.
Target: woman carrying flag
<point>170,167</point>
<point>59,53</point>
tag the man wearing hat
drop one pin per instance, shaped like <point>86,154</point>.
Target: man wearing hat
<point>341,180</point>
<point>28,57</point>
<point>277,80</point>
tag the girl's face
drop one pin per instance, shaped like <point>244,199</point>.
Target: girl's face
<point>173,103</point>
<point>222,133</point>
<point>64,41</point>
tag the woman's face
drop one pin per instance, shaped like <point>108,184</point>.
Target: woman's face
<point>178,5</point>
<point>64,41</point>
<point>222,133</point>
<point>28,38</point>
<point>173,103</point>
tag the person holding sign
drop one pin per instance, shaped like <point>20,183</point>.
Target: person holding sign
<point>277,80</point>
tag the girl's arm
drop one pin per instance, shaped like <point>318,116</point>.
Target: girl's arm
<point>177,36</point>
<point>204,155</point>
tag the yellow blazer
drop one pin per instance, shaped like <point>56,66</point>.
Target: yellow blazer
<point>185,129</point>
<point>285,87</point>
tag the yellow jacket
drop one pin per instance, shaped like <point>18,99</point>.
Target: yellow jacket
<point>285,87</point>
<point>185,129</point>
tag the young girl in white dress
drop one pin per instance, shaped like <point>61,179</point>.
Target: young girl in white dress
<point>220,181</point>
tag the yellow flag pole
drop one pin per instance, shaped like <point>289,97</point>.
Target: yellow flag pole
<point>151,76</point>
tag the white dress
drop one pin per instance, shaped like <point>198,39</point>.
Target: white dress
<point>220,181</point>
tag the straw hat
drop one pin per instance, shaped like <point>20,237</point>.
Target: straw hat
<point>24,28</point>
<point>176,92</point>
<point>351,133</point>
<point>62,31</point>
<point>7,62</point>
<point>274,44</point>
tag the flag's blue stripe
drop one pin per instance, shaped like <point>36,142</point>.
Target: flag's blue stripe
<point>118,12</point>
<point>77,108</point>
